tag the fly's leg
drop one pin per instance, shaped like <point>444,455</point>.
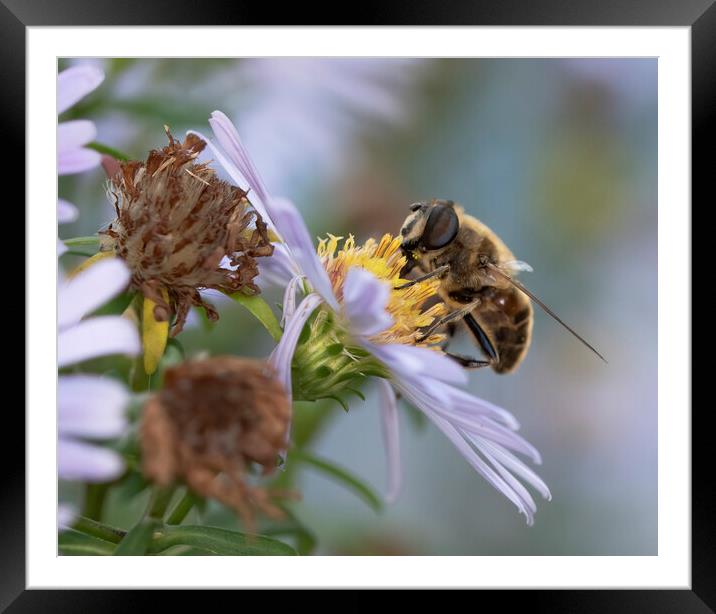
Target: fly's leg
<point>436,273</point>
<point>482,339</point>
<point>451,317</point>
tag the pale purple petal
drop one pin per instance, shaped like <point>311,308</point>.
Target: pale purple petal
<point>61,248</point>
<point>91,289</point>
<point>100,336</point>
<point>86,462</point>
<point>278,269</point>
<point>289,298</point>
<point>365,298</point>
<point>479,464</point>
<point>66,515</point>
<point>66,212</point>
<point>75,83</point>
<point>468,404</point>
<point>391,437</point>
<point>230,141</point>
<point>482,426</point>
<point>282,356</point>
<point>74,134</point>
<point>282,214</point>
<point>514,464</point>
<point>77,161</point>
<point>91,406</point>
<point>237,177</point>
<point>477,430</point>
<point>293,229</point>
<point>411,361</point>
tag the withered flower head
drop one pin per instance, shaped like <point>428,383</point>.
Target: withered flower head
<point>211,421</point>
<point>175,223</point>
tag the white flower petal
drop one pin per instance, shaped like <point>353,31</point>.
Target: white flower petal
<point>72,135</point>
<point>91,406</point>
<point>61,248</point>
<point>391,437</point>
<point>91,289</point>
<point>77,161</point>
<point>100,336</point>
<point>88,463</point>
<point>66,212</point>
<point>75,83</point>
<point>365,298</point>
<point>282,356</point>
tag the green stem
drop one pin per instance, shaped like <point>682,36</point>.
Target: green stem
<point>94,500</point>
<point>161,496</point>
<point>182,508</point>
<point>97,529</point>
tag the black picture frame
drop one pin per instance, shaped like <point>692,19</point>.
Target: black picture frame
<point>17,15</point>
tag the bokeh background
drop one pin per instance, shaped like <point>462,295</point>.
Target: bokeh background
<point>559,156</point>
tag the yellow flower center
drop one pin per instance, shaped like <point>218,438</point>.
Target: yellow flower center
<point>385,260</point>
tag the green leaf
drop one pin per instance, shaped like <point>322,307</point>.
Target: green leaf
<point>138,540</point>
<point>352,483</point>
<point>173,342</point>
<point>74,543</point>
<point>110,151</point>
<point>218,541</point>
<point>91,241</point>
<point>305,540</point>
<point>261,310</point>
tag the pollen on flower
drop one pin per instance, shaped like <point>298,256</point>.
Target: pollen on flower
<point>176,222</point>
<point>212,421</point>
<point>385,260</point>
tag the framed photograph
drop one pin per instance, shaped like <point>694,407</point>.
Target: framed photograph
<point>327,295</point>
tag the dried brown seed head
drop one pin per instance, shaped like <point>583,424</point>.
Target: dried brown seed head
<point>212,420</point>
<point>175,223</point>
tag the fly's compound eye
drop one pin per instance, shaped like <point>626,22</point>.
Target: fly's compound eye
<point>441,228</point>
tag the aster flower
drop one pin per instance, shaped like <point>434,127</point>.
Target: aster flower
<point>213,420</point>
<point>90,407</point>
<point>363,326</point>
<point>180,229</point>
<point>73,84</point>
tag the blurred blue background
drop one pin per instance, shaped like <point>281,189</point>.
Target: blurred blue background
<point>559,157</point>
